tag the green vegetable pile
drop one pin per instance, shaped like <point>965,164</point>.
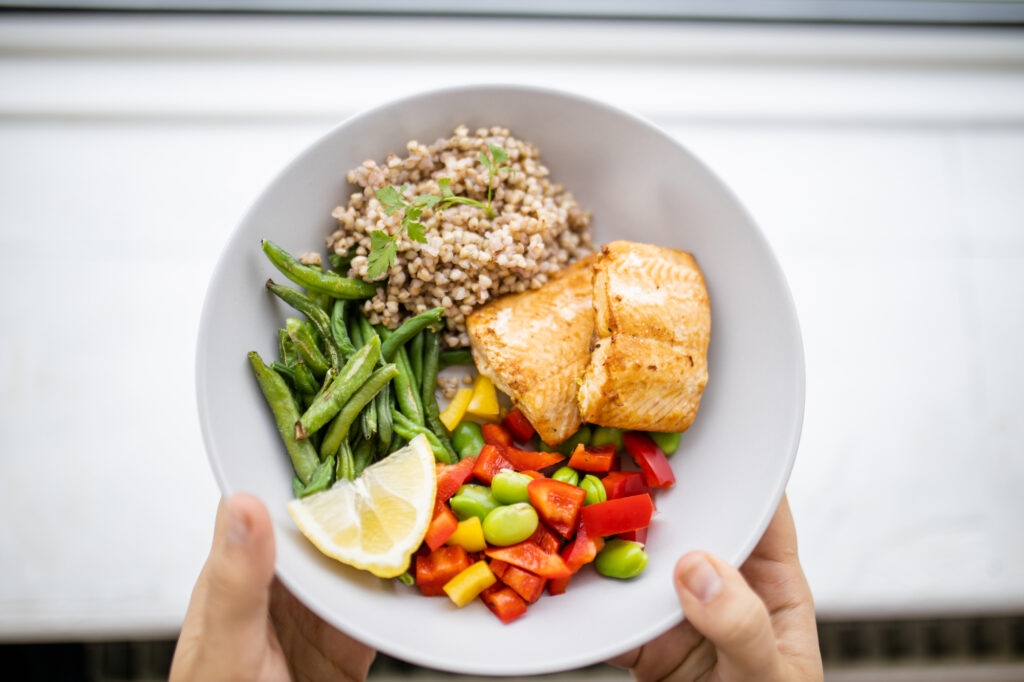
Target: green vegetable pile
<point>345,393</point>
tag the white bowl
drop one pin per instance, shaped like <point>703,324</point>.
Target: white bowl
<point>640,184</point>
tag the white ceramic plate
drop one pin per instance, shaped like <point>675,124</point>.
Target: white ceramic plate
<point>640,184</point>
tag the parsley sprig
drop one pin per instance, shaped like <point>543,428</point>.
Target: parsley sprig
<point>384,247</point>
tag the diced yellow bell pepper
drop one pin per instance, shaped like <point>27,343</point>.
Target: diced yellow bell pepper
<point>464,587</point>
<point>469,535</point>
<point>484,402</point>
<point>453,414</point>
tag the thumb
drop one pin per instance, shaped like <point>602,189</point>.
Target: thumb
<point>719,604</point>
<point>240,568</point>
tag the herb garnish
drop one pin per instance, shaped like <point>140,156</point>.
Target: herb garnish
<point>383,247</point>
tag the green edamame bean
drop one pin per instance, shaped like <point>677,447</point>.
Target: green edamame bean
<point>595,490</point>
<point>509,487</point>
<point>581,436</point>
<point>607,435</point>
<point>668,442</point>
<point>510,524</point>
<point>467,439</point>
<point>621,559</point>
<point>473,500</point>
<point>566,475</point>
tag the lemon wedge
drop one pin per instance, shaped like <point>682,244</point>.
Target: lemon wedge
<point>377,521</point>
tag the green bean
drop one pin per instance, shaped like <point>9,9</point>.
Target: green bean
<point>335,394</point>
<point>510,524</point>
<point>305,380</point>
<point>346,463</point>
<point>621,559</point>
<point>409,329</point>
<point>305,345</point>
<point>338,429</point>
<point>408,398</point>
<point>369,416</point>
<point>285,371</point>
<point>297,486</point>
<point>285,347</point>
<point>317,317</point>
<point>406,579</point>
<point>415,350</point>
<point>282,405</point>
<point>459,356</point>
<point>408,429</point>
<point>383,400</point>
<point>322,478</point>
<point>338,329</point>
<point>313,278</point>
<point>431,412</point>
<point>362,457</point>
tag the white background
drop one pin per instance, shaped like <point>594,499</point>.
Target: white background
<point>886,167</point>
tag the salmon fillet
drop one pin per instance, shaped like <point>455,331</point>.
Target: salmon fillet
<point>535,345</point>
<point>652,324</point>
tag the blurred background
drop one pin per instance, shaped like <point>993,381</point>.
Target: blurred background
<point>878,143</point>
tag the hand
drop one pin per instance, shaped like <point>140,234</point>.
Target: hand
<point>753,624</point>
<point>242,624</point>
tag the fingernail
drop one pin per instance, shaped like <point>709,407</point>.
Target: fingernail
<point>238,526</point>
<point>702,580</point>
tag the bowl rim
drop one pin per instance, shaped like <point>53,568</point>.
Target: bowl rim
<point>569,661</point>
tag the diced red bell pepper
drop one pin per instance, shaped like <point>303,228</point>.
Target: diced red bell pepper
<point>624,483</point>
<point>451,476</point>
<point>437,568</point>
<point>503,602</point>
<point>618,516</point>
<point>498,567</point>
<point>526,584</point>
<point>558,504</point>
<point>597,459</point>
<point>532,474</point>
<point>649,457</point>
<point>638,535</point>
<point>581,551</point>
<point>441,526</point>
<point>546,538</point>
<point>489,462</point>
<point>529,556</point>
<point>518,426</point>
<point>533,461</point>
<point>495,434</point>
<point>558,585</point>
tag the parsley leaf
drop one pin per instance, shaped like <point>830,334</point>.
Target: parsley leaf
<point>417,231</point>
<point>391,198</point>
<point>499,155</point>
<point>382,253</point>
